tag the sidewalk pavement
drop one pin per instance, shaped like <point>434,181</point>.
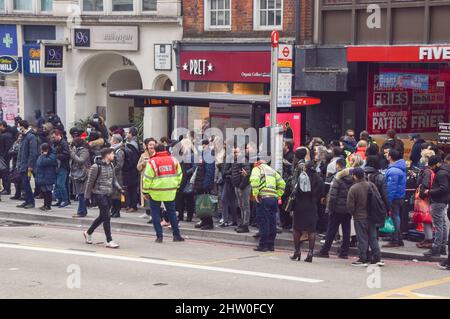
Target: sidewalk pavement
<point>132,222</point>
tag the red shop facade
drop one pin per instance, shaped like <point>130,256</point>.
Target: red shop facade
<point>408,87</point>
<point>235,69</point>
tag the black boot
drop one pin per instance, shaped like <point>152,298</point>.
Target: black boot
<point>309,258</point>
<point>297,253</point>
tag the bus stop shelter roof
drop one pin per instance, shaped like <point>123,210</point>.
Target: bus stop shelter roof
<point>193,98</point>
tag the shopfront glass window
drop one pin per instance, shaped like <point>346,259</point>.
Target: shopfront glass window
<point>219,13</point>
<point>122,5</point>
<point>270,13</point>
<point>22,5</point>
<point>409,98</point>
<point>149,5</point>
<point>93,5</point>
<point>46,5</point>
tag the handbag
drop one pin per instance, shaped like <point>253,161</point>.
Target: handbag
<point>421,212</point>
<point>389,226</point>
<point>189,187</point>
<point>206,205</point>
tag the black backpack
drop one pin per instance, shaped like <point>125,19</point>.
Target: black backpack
<point>131,158</point>
<point>376,208</point>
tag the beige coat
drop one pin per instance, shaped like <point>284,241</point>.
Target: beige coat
<point>142,163</point>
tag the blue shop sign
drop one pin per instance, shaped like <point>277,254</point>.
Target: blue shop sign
<point>32,59</point>
<point>8,64</point>
<point>8,39</point>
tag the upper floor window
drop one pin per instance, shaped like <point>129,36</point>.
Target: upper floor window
<point>268,14</point>
<point>149,5</point>
<point>46,5</point>
<point>218,14</point>
<point>93,5</point>
<point>22,5</point>
<point>122,5</point>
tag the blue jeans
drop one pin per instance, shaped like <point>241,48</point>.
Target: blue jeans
<point>396,210</point>
<point>61,192</point>
<point>155,207</point>
<point>82,209</point>
<point>266,218</point>
<point>29,197</point>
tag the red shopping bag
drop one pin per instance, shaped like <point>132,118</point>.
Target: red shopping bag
<point>421,210</point>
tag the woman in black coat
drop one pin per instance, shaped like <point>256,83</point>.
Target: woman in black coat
<point>306,214</point>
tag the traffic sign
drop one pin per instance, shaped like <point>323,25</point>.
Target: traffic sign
<point>304,101</point>
<point>275,38</point>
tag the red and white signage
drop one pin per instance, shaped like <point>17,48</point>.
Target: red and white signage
<point>406,53</point>
<point>292,126</point>
<point>225,66</point>
<point>407,107</point>
<point>275,38</point>
<point>304,101</point>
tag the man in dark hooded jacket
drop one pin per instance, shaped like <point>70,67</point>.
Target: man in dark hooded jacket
<point>39,119</point>
<point>337,209</point>
<point>439,195</point>
<point>416,149</point>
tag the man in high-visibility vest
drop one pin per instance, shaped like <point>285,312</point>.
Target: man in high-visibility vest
<point>267,186</point>
<point>162,178</point>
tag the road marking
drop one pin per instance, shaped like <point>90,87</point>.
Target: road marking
<point>163,263</point>
<point>407,291</point>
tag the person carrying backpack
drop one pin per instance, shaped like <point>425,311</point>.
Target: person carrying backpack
<point>101,183</point>
<point>337,210</point>
<point>359,206</point>
<point>130,172</point>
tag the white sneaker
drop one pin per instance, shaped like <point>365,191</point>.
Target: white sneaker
<point>87,237</point>
<point>143,216</point>
<point>112,244</point>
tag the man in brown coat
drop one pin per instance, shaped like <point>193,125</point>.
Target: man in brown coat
<point>366,231</point>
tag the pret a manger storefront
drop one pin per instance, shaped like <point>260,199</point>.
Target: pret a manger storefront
<point>408,87</point>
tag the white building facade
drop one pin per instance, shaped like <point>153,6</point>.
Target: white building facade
<point>109,45</point>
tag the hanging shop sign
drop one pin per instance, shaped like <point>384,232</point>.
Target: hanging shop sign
<point>408,106</point>
<point>52,58</point>
<point>8,64</point>
<point>163,57</point>
<point>116,38</point>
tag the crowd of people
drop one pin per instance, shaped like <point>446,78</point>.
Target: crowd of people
<point>323,186</point>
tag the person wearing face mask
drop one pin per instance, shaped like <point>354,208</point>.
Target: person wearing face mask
<point>26,161</point>
<point>350,141</point>
<point>62,150</point>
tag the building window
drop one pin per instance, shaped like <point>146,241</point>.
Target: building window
<point>93,5</point>
<point>149,5</point>
<point>122,5</point>
<point>46,5</point>
<point>22,5</point>
<point>2,5</point>
<point>268,13</point>
<point>218,14</point>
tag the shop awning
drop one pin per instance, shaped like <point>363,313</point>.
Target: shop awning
<point>153,98</point>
